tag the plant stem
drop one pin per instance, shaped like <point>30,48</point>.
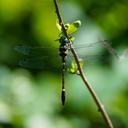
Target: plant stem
<point>82,74</point>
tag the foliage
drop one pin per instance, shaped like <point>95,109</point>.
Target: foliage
<point>31,98</point>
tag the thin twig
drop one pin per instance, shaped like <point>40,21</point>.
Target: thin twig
<point>82,74</point>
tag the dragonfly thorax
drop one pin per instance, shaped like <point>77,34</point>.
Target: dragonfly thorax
<point>63,40</point>
<point>63,49</point>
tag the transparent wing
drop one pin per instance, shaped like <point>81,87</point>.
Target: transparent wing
<point>33,63</point>
<point>96,48</point>
<point>44,62</point>
<point>87,48</point>
<point>89,59</point>
<point>92,53</point>
<point>33,51</point>
<point>36,57</point>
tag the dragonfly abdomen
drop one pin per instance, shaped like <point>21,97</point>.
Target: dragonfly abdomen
<point>63,96</point>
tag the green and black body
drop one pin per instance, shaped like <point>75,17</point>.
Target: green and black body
<point>63,51</point>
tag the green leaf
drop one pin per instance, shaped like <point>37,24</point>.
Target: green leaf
<point>72,38</point>
<point>71,28</point>
<point>74,68</point>
<point>58,26</point>
<point>66,26</point>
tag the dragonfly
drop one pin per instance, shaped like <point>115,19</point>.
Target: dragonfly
<point>35,57</point>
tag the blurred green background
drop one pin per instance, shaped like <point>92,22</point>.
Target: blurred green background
<point>30,98</point>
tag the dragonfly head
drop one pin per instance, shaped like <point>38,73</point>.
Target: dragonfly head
<point>63,40</point>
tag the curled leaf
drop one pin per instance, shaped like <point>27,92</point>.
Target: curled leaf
<point>71,38</point>
<point>58,25</point>
<point>73,27</point>
<point>70,28</point>
<point>66,26</point>
<point>74,68</point>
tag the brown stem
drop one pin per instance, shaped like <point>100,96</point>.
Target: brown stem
<point>87,84</point>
